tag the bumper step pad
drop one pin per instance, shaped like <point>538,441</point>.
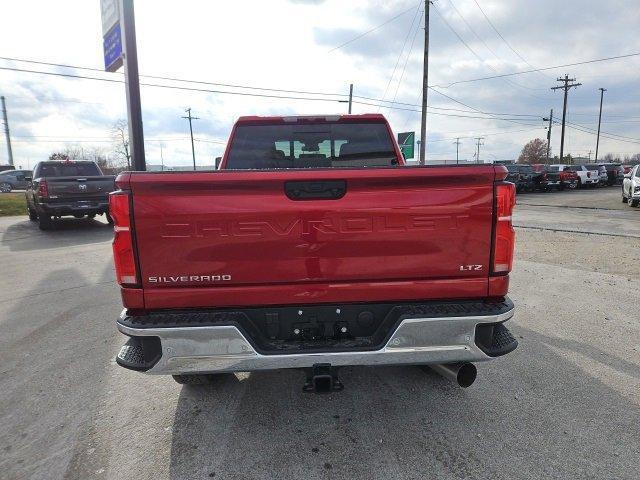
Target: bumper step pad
<point>495,340</point>
<point>139,353</point>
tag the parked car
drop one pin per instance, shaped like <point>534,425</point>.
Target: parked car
<point>631,187</point>
<point>527,175</point>
<point>586,177</point>
<point>601,172</point>
<point>313,247</point>
<point>515,177</point>
<point>14,180</point>
<point>615,173</point>
<point>540,178</point>
<point>61,188</point>
<point>561,177</point>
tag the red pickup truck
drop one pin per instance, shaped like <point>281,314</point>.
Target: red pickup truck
<point>314,247</point>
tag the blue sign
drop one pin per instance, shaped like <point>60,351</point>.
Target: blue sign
<point>113,49</point>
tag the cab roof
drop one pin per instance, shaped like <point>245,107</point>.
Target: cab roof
<point>288,119</point>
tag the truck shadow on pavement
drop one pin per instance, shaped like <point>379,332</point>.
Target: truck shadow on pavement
<point>25,235</point>
<point>534,414</point>
<point>50,388</point>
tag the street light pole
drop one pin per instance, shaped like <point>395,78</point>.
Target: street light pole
<point>457,142</point>
<point>602,90</point>
<point>132,84</point>
<point>425,85</point>
<point>550,120</point>
<point>193,148</point>
<point>6,130</point>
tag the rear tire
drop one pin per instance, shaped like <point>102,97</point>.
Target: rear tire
<point>108,217</point>
<point>44,222</point>
<point>33,216</point>
<point>634,203</point>
<point>5,187</point>
<point>195,380</point>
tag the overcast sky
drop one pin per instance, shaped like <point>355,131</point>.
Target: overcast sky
<point>289,44</point>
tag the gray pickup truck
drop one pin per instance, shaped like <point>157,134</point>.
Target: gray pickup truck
<point>67,188</point>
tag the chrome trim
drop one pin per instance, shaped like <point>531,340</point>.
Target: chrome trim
<point>224,349</point>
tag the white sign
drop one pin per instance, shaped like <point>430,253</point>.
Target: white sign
<point>110,14</point>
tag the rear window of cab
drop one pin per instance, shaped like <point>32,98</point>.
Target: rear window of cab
<point>327,145</point>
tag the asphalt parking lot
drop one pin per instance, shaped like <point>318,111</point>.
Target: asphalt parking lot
<point>565,404</point>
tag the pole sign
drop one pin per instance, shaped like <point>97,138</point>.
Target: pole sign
<point>407,144</point>
<point>111,35</point>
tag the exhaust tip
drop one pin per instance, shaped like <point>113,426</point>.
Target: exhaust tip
<point>467,375</point>
<point>464,374</point>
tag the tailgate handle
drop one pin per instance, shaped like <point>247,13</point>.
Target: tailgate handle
<point>316,190</point>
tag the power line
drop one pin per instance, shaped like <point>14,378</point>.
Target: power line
<point>490,49</point>
<point>173,79</point>
<point>444,114</point>
<point>173,87</point>
<point>201,90</point>
<point>358,37</point>
<point>543,69</point>
<point>220,84</point>
<point>501,36</point>
<point>602,134</point>
<point>406,62</point>
<point>475,54</point>
<point>404,44</point>
<point>448,109</point>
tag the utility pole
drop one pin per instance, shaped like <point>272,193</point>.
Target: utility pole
<point>602,90</point>
<point>425,84</point>
<point>6,130</point>
<point>193,147</point>
<point>457,143</point>
<point>479,139</point>
<point>132,84</point>
<point>350,98</point>
<point>566,87</point>
<point>550,120</point>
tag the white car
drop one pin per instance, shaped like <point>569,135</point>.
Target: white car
<point>631,187</point>
<point>601,172</point>
<point>586,177</point>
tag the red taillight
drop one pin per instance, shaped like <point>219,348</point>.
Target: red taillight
<point>123,253</point>
<point>43,189</point>
<point>504,234</point>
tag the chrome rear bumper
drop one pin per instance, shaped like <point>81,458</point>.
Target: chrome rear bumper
<point>214,349</point>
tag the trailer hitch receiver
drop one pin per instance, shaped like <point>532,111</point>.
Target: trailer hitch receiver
<point>322,378</point>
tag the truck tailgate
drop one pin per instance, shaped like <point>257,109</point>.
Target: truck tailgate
<point>236,238</point>
<point>80,187</point>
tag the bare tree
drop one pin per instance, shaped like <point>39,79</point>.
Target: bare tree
<point>534,152</point>
<point>120,133</point>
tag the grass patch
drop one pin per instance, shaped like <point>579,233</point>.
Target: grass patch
<point>12,204</point>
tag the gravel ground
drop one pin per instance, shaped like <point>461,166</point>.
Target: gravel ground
<point>601,198</point>
<point>564,405</point>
